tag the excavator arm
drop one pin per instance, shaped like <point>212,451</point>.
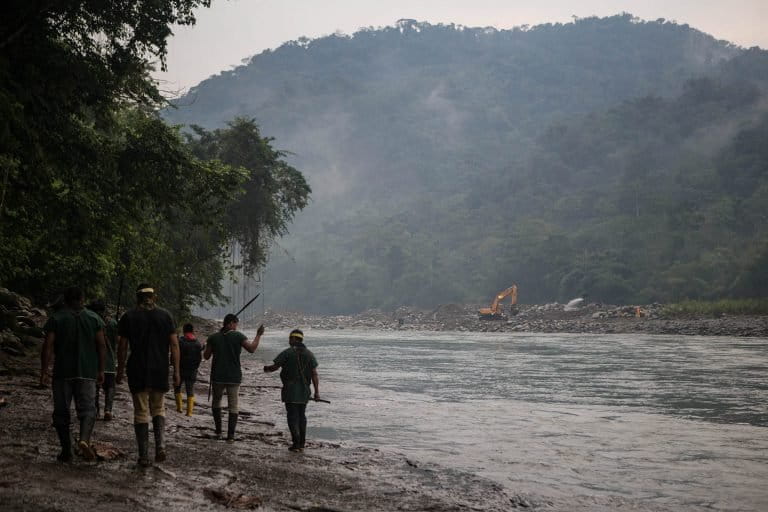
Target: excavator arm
<point>494,312</point>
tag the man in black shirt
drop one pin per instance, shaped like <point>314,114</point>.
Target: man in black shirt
<point>191,356</point>
<point>151,333</point>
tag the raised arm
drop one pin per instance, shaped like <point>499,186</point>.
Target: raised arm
<point>253,345</point>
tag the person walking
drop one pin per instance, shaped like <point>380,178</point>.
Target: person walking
<point>75,338</point>
<point>191,356</point>
<point>298,368</point>
<point>151,333</point>
<point>110,364</point>
<point>226,375</point>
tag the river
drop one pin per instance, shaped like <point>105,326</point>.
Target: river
<point>673,422</point>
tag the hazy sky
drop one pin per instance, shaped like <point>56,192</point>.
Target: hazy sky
<point>232,30</point>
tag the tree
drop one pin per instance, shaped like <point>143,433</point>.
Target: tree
<point>95,188</point>
<point>273,192</point>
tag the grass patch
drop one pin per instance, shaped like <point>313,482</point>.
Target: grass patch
<point>717,307</point>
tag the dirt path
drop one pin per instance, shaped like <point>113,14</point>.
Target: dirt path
<point>207,474</point>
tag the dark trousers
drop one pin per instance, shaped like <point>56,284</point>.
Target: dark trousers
<point>297,423</point>
<point>84,393</point>
<point>189,385</point>
<point>109,393</point>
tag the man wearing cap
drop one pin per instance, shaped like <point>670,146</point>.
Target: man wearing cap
<point>226,375</point>
<point>299,368</point>
<point>75,338</point>
<point>110,364</point>
<point>151,333</point>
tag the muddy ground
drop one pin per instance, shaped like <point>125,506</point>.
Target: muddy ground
<point>203,473</point>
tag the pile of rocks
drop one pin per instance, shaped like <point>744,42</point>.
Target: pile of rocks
<point>20,332</point>
<point>553,317</point>
<point>647,311</point>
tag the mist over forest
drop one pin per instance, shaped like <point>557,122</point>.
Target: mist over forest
<point>619,158</point>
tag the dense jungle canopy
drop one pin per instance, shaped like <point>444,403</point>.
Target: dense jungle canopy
<point>99,191</point>
<point>615,157</point>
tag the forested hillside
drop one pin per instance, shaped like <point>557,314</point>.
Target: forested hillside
<point>613,157</point>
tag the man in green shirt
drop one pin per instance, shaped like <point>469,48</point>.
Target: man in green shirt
<point>225,346</point>
<point>110,366</point>
<point>299,368</point>
<point>75,338</point>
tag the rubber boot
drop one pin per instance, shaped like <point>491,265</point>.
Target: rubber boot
<point>109,399</point>
<point>231,425</point>
<point>190,404</point>
<point>178,402</point>
<point>217,421</point>
<point>295,437</point>
<point>84,445</point>
<point>66,443</point>
<point>158,427</point>
<point>142,441</point>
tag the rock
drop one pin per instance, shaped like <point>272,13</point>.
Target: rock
<point>232,500</point>
<point>31,341</point>
<point>10,344</point>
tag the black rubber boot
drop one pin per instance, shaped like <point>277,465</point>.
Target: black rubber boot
<point>66,443</point>
<point>231,426</point>
<point>302,426</point>
<point>295,436</point>
<point>142,441</point>
<point>109,399</point>
<point>158,427</point>
<point>217,420</point>
<point>84,445</point>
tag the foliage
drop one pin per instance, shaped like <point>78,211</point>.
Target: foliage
<point>273,193</point>
<point>97,190</point>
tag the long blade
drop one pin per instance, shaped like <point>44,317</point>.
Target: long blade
<point>249,303</point>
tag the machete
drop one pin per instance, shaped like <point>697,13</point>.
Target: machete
<point>249,303</point>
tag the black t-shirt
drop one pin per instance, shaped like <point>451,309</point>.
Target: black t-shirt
<point>191,356</point>
<point>148,332</point>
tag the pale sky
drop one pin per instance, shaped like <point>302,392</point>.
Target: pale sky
<point>233,30</point>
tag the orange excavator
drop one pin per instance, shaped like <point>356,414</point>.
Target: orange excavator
<point>495,312</point>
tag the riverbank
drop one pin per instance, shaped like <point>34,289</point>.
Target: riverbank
<point>544,318</point>
<point>203,473</point>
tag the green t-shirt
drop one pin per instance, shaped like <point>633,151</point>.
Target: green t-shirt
<point>226,348</point>
<point>296,365</point>
<point>74,344</point>
<point>110,335</point>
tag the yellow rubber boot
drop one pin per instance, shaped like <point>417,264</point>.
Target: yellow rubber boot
<point>178,402</point>
<point>190,404</point>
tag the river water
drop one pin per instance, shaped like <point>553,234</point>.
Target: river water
<point>672,422</point>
